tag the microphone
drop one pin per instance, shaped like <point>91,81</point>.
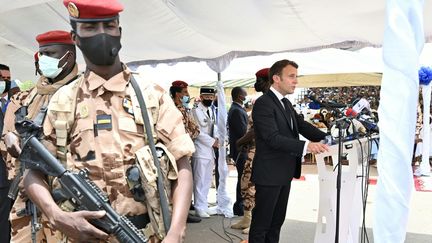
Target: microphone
<point>350,112</point>
<point>369,123</point>
<point>361,105</point>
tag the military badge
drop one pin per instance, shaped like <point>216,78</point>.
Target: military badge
<point>127,105</point>
<point>84,111</point>
<point>73,10</point>
<point>104,122</point>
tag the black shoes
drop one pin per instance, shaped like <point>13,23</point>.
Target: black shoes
<point>238,209</point>
<point>193,219</point>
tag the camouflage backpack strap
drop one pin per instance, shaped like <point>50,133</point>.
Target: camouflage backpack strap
<point>62,106</point>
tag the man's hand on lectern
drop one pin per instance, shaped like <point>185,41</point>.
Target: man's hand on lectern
<point>317,148</point>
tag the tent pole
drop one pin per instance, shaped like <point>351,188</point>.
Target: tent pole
<point>219,76</point>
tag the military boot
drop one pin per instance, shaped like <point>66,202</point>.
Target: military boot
<point>244,222</point>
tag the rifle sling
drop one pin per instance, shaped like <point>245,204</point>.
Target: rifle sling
<point>160,180</point>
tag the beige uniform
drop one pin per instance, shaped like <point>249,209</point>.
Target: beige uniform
<point>105,134</point>
<point>35,99</point>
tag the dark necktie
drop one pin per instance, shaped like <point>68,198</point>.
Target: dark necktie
<point>208,113</point>
<point>3,104</point>
<point>211,121</point>
<point>287,106</point>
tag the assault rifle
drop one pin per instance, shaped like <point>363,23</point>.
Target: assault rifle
<point>84,194</point>
<point>14,187</point>
<point>31,210</point>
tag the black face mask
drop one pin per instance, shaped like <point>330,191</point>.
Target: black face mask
<point>101,49</point>
<point>207,102</point>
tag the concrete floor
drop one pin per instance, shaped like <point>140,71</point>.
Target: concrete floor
<point>302,214</point>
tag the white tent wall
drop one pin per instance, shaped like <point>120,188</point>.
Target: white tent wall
<point>186,30</point>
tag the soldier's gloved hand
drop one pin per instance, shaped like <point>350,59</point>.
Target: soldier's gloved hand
<point>12,144</point>
<point>76,226</point>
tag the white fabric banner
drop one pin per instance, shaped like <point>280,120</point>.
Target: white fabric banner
<point>403,42</point>
<point>224,204</point>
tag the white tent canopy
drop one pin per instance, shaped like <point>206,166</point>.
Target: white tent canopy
<point>173,30</point>
<point>321,62</point>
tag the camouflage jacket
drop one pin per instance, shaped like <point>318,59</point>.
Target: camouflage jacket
<point>106,132</point>
<point>189,122</point>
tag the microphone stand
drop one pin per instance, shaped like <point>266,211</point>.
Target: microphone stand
<point>340,124</point>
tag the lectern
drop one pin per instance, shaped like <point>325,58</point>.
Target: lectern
<point>356,152</point>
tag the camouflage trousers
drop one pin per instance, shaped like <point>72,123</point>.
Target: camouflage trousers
<point>247,186</point>
<point>21,226</point>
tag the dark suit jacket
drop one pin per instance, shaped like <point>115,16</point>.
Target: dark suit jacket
<point>278,148</point>
<point>3,171</point>
<point>237,124</point>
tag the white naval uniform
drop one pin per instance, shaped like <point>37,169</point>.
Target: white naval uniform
<point>203,158</point>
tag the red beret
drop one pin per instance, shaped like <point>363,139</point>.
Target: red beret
<point>54,37</point>
<point>179,83</point>
<point>263,73</point>
<point>93,10</point>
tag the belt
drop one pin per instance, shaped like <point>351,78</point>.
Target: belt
<point>140,221</point>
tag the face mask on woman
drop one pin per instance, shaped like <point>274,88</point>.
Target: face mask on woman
<point>185,100</point>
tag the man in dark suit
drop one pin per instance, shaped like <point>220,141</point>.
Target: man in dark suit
<point>237,125</point>
<point>5,202</point>
<point>278,151</point>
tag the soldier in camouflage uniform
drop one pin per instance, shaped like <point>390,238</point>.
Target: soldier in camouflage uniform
<point>107,133</point>
<point>262,84</point>
<point>179,93</point>
<point>181,98</point>
<point>56,62</point>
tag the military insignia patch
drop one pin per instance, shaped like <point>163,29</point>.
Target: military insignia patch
<point>73,10</point>
<point>103,122</point>
<point>127,105</point>
<point>84,111</point>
